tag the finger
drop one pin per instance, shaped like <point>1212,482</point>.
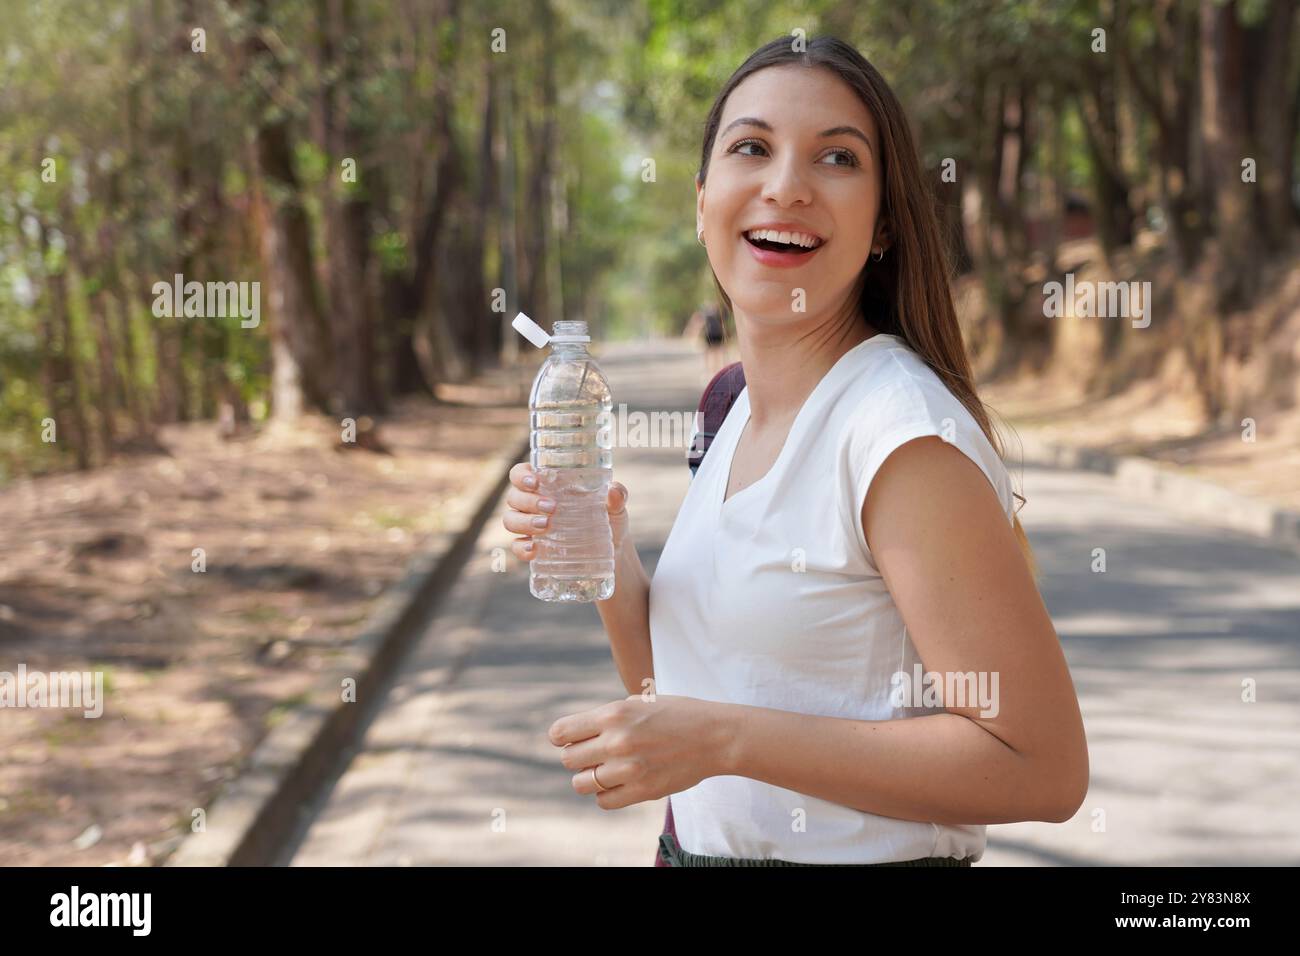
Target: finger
<point>577,727</point>
<point>527,502</point>
<point>618,798</point>
<point>523,476</point>
<point>579,756</point>
<point>527,524</point>
<point>612,776</point>
<point>525,549</point>
<point>617,498</point>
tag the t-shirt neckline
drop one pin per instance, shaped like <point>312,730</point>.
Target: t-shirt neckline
<point>721,498</point>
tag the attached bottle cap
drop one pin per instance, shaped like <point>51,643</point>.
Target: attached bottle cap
<point>531,330</point>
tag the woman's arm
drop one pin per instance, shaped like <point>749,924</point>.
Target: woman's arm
<point>954,567</point>
<point>626,616</point>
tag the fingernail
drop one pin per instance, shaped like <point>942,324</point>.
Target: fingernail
<point>540,521</point>
<point>528,546</point>
<point>546,504</point>
<point>530,481</point>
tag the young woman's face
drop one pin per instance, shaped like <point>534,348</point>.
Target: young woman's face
<point>797,150</point>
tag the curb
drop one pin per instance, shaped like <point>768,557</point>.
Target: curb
<point>1194,497</point>
<point>259,811</point>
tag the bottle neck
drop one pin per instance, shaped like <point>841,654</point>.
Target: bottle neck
<point>567,327</point>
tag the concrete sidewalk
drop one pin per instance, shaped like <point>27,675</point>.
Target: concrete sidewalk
<point>456,769</point>
<point>1159,645</point>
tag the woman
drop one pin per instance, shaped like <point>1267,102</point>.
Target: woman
<point>715,340</point>
<point>852,520</point>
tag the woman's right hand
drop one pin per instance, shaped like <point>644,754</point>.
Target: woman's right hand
<point>528,506</point>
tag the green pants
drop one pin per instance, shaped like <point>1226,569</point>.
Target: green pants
<point>670,851</point>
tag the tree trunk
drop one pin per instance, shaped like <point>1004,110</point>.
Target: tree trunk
<point>349,305</point>
<point>1274,125</point>
<point>504,157</point>
<point>420,338</point>
<point>486,335</point>
<point>1101,134</point>
<point>1165,77</point>
<point>58,347</point>
<point>536,232</point>
<point>302,365</point>
<point>1225,134</point>
<point>108,380</point>
<point>136,400</point>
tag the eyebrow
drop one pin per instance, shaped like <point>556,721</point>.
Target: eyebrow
<point>833,131</point>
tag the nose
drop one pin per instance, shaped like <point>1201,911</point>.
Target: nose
<point>786,184</point>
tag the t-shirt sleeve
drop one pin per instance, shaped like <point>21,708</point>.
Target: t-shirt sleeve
<point>900,411</point>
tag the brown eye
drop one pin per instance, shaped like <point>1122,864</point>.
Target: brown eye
<point>745,142</point>
<point>851,159</point>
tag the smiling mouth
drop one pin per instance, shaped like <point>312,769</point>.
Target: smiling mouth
<point>788,248</point>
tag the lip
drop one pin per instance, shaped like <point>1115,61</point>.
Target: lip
<point>782,260</point>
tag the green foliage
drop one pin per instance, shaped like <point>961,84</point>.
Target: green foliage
<point>157,156</point>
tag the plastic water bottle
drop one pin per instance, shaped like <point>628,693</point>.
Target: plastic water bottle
<point>571,452</point>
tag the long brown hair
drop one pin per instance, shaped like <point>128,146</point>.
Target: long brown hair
<point>907,293</point>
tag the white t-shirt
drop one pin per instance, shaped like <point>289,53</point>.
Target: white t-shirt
<point>772,599</point>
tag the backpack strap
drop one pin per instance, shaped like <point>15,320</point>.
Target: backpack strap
<point>719,395</point>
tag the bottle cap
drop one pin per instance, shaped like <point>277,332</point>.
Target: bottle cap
<point>530,330</point>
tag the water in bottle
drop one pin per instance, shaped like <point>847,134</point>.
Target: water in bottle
<point>571,452</point>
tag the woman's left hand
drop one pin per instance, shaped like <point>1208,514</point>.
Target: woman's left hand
<point>644,747</point>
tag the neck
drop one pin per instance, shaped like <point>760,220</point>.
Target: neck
<point>784,362</point>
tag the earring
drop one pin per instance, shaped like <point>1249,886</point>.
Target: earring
<point>699,237</point>
<point>880,254</point>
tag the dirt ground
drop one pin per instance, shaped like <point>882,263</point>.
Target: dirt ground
<point>1157,414</point>
<point>1148,421</point>
<point>98,572</point>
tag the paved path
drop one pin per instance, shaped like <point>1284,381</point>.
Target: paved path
<point>456,768</point>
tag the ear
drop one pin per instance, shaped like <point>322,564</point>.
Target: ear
<point>699,206</point>
<point>884,237</point>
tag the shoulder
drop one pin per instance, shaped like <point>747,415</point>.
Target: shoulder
<point>895,378</point>
<point>898,393</point>
<point>899,399</point>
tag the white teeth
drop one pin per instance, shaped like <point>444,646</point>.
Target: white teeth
<point>797,238</point>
